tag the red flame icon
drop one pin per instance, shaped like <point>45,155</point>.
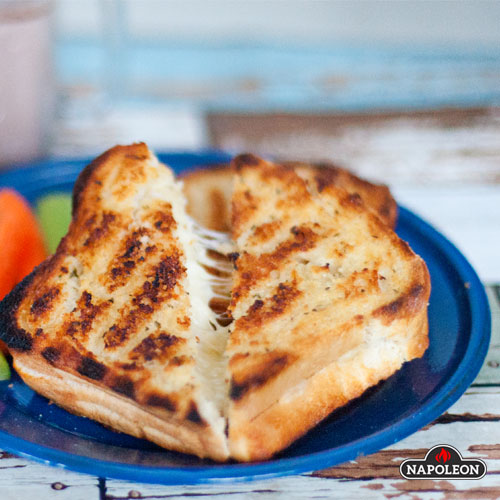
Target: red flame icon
<point>443,456</point>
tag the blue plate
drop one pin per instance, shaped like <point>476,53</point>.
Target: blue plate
<point>459,322</point>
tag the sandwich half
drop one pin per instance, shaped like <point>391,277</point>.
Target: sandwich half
<point>116,325</point>
<point>222,346</point>
<point>326,301</point>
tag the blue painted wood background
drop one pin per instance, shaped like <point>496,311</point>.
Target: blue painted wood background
<point>285,78</point>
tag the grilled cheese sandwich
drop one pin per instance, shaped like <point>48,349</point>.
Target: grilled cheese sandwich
<point>215,344</point>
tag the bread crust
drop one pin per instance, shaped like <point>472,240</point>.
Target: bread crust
<point>82,397</point>
<point>209,190</point>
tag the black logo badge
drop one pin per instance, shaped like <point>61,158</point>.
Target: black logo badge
<point>443,462</point>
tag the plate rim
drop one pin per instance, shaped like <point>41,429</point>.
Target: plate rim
<point>456,384</point>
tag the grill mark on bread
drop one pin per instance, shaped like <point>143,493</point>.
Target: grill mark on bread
<point>124,385</point>
<point>80,322</point>
<point>101,230</point>
<point>130,256</point>
<point>193,415</point>
<point>325,176</point>
<point>256,371</point>
<point>51,354</point>
<point>162,401</point>
<point>133,244</point>
<point>245,160</point>
<point>352,200</point>
<point>377,197</point>
<point>261,312</point>
<point>163,219</point>
<point>43,303</point>
<point>158,346</point>
<point>91,368</point>
<point>255,268</point>
<point>159,287</point>
<point>264,232</point>
<point>405,305</point>
<point>15,337</point>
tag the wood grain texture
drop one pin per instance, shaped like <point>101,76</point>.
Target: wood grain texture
<point>446,147</point>
<point>490,372</point>
<point>22,479</point>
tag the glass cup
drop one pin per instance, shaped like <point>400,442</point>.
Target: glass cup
<point>26,80</point>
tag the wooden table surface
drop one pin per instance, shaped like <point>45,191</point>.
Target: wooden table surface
<point>443,165</point>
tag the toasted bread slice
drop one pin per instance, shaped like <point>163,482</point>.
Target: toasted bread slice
<point>326,302</point>
<point>209,192</point>
<point>116,324</point>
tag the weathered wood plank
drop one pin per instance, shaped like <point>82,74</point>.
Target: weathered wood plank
<point>448,147</point>
<point>490,372</point>
<point>23,479</point>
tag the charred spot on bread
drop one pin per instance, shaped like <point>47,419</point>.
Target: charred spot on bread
<point>88,312</point>
<point>132,245</point>
<point>101,229</point>
<point>168,272</point>
<point>261,312</point>
<point>17,338</point>
<point>255,268</point>
<point>43,303</point>
<point>51,354</point>
<point>162,401</point>
<point>258,371</point>
<point>353,200</point>
<point>265,231</point>
<point>159,287</point>
<point>155,346</point>
<point>325,176</point>
<point>405,305</point>
<point>91,368</point>
<point>163,219</point>
<point>193,415</point>
<point>245,160</point>
<point>124,385</point>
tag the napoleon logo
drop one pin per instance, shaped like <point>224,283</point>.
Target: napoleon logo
<point>443,462</point>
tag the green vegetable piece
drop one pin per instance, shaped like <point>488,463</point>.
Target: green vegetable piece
<point>54,215</point>
<point>4,368</point>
